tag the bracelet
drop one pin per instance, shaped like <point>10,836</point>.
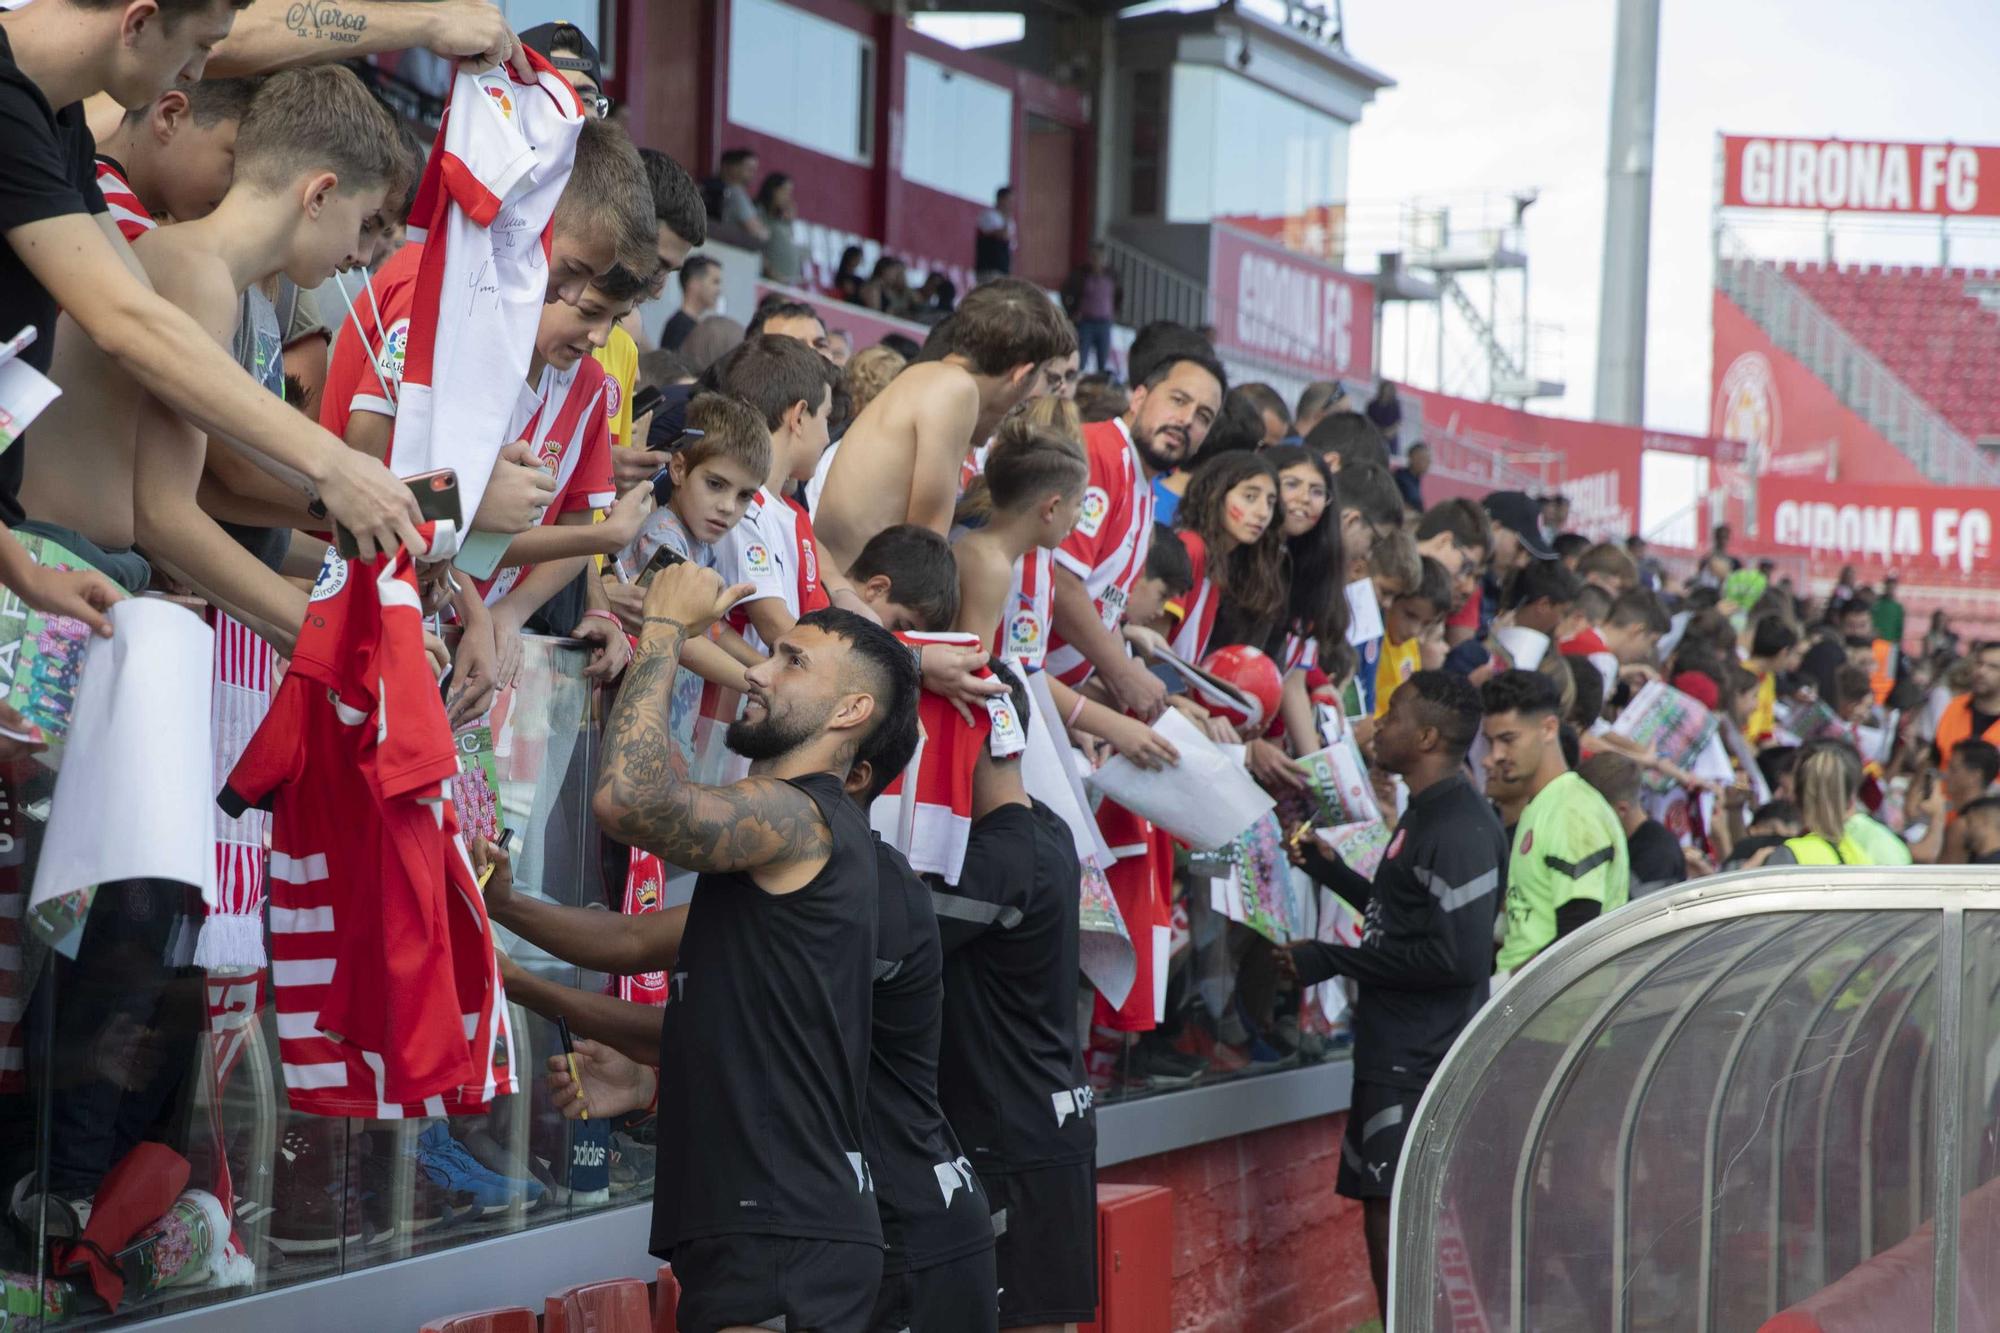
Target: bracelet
<point>1075,712</point>
<point>601,614</point>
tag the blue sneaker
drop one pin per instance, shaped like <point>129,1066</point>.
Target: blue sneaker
<point>445,1160</point>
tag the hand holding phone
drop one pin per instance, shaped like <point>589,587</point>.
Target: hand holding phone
<point>437,502</point>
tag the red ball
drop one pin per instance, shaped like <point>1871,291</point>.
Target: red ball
<point>1252,674</point>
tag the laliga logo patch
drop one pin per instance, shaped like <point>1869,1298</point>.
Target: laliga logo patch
<point>332,577</point>
<point>495,87</point>
<point>1024,635</point>
<point>1096,504</point>
<point>614,394</point>
<point>1007,737</point>
<point>757,558</point>
<point>394,344</point>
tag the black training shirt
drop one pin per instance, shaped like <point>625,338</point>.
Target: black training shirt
<point>1656,858</point>
<point>764,1051</point>
<point>47,170</point>
<point>932,1206</point>
<point>1426,951</point>
<point>1010,1074</point>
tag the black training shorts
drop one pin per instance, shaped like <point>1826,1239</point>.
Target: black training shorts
<point>1045,1243</point>
<point>776,1282</point>
<point>1378,1119</point>
<point>956,1296</point>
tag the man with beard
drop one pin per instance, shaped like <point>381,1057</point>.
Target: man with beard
<point>1426,949</point>
<point>1174,402</point>
<point>764,1201</point>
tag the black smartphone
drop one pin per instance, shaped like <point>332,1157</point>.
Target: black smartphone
<point>437,501</point>
<point>663,481</point>
<point>645,402</point>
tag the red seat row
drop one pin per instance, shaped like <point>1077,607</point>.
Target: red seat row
<point>621,1305</point>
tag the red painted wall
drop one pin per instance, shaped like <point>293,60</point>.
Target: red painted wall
<point>1766,396</point>
<point>1262,1244</point>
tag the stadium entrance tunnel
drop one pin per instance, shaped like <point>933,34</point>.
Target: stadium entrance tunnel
<point>1733,1106</point>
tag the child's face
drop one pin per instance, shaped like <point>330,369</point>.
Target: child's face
<point>712,496</point>
<point>1247,510</point>
<point>811,440</point>
<point>196,164</point>
<point>337,232</point>
<point>575,258</point>
<point>1387,590</point>
<point>1059,514</point>
<point>1408,618</point>
<point>569,333</point>
<point>1148,600</point>
<point>1302,492</point>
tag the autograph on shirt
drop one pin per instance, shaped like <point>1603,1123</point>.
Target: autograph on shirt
<point>315,19</point>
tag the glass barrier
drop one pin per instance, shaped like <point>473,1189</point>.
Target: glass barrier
<point>145,1098</point>
<point>149,1097</point>
<point>1229,1012</point>
<point>1725,1107</point>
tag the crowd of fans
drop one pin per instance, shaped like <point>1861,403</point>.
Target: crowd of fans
<point>887,571</point>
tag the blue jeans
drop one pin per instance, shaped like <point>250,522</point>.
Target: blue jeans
<point>1094,335</point>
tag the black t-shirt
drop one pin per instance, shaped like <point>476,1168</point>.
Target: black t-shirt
<point>764,1051</point>
<point>1010,1074</point>
<point>677,330</point>
<point>1657,859</point>
<point>1426,954</point>
<point>47,170</point>
<point>931,1204</point>
<point>1982,722</point>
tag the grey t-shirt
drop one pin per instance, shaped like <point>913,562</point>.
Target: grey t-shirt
<point>259,348</point>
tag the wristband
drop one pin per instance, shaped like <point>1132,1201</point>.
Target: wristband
<point>653,1106</point>
<point>1075,712</point>
<point>600,614</point>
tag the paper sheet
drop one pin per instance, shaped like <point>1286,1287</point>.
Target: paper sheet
<point>1525,647</point>
<point>1104,944</point>
<point>135,794</point>
<point>24,393</point>
<point>1364,613</point>
<point>1205,800</point>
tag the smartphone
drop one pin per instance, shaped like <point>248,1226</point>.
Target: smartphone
<point>644,402</point>
<point>663,482</point>
<point>437,502</point>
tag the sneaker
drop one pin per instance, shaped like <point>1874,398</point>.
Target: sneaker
<point>451,1167</point>
<point>63,1219</point>
<point>1152,1064</point>
<point>632,1163</point>
<point>315,1205</point>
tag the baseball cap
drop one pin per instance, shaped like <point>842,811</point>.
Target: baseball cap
<point>1517,512</point>
<point>543,38</point>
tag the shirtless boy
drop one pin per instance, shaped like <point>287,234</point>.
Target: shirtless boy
<point>315,159</point>
<point>901,459</point>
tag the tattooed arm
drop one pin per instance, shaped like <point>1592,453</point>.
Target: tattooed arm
<point>764,826</point>
<point>277,34</point>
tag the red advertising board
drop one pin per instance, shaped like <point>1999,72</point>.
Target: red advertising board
<point>1599,470</point>
<point>1912,531</point>
<point>1858,176</point>
<point>1286,308</point>
<point>1785,416</point>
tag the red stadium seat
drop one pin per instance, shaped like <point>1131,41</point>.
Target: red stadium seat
<point>619,1305</point>
<point>666,1301</point>
<point>512,1319</point>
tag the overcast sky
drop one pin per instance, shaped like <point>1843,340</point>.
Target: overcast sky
<point>1499,97</point>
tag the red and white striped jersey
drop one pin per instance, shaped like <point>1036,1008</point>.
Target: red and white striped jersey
<point>125,207</point>
<point>1025,624</point>
<point>926,813</point>
<point>773,550</point>
<point>1196,608</point>
<point>482,209</point>
<point>563,418</point>
<point>1107,548</point>
<point>383,977</point>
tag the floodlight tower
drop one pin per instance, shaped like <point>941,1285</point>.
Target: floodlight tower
<point>1628,215</point>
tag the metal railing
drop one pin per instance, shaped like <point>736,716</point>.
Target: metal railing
<point>1857,377</point>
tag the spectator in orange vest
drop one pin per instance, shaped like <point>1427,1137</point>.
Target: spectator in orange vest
<point>1977,712</point>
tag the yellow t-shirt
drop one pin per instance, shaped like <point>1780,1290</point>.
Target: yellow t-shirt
<point>1764,717</point>
<point>620,358</point>
<point>1399,662</point>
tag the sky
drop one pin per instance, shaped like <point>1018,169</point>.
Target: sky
<point>1496,98</point>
